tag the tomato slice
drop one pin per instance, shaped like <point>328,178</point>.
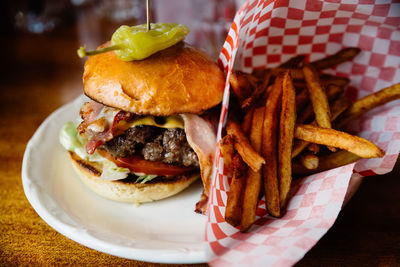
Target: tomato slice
<point>139,164</point>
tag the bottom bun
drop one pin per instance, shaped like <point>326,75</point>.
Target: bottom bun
<point>128,191</point>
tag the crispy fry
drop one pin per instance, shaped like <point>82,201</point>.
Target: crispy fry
<point>260,72</point>
<point>306,115</point>
<point>301,99</point>
<point>327,162</point>
<point>269,149</point>
<point>269,89</point>
<point>327,79</point>
<point>343,55</point>
<point>298,147</point>
<point>259,91</point>
<point>253,80</point>
<point>298,77</point>
<point>332,92</point>
<point>318,97</point>
<point>337,108</point>
<point>240,85</point>
<point>285,143</point>
<point>246,123</point>
<point>256,128</point>
<point>253,179</point>
<point>233,211</point>
<point>226,146</point>
<point>314,148</point>
<point>243,146</point>
<point>277,148</point>
<point>294,73</point>
<point>299,84</point>
<point>293,62</point>
<point>357,145</point>
<point>309,161</point>
<point>369,102</point>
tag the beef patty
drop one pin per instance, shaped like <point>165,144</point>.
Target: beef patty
<point>154,144</point>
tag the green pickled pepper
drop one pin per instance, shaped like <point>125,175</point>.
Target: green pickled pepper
<point>136,43</point>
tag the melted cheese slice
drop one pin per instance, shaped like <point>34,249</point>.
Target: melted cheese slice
<point>170,122</point>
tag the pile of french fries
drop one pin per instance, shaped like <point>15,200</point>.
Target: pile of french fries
<point>287,121</point>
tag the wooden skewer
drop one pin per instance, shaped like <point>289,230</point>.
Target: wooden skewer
<point>148,14</point>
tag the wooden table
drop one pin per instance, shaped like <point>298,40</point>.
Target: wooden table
<point>41,73</point>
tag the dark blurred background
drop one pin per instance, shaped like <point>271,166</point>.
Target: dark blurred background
<point>40,37</point>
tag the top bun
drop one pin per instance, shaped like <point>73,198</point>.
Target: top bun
<point>179,79</point>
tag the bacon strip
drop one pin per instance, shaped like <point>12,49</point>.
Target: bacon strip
<point>201,205</point>
<point>201,137</point>
<point>89,112</point>
<point>100,138</point>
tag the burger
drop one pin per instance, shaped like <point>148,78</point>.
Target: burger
<point>147,133</point>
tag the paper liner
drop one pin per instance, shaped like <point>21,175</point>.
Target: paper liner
<point>268,33</point>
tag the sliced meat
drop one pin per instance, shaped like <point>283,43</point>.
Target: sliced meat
<point>201,137</point>
<point>177,149</point>
<point>154,151</point>
<point>154,144</point>
<point>89,112</point>
<point>99,138</point>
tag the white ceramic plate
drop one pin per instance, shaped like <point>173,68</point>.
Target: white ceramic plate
<point>166,231</point>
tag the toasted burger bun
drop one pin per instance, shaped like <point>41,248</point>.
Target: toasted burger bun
<point>179,79</point>
<point>90,172</point>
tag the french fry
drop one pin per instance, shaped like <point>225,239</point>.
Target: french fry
<point>285,143</point>
<point>293,62</point>
<point>327,162</point>
<point>299,84</point>
<point>246,123</point>
<point>269,89</point>
<point>327,79</point>
<point>253,80</point>
<point>253,179</point>
<point>314,148</point>
<point>301,99</point>
<point>318,97</point>
<point>323,136</point>
<point>260,90</point>
<point>233,211</point>
<point>306,115</point>
<point>343,55</point>
<point>240,85</point>
<point>369,102</point>
<point>332,92</point>
<point>269,149</point>
<point>226,146</point>
<point>337,108</point>
<point>260,73</point>
<point>298,147</point>
<point>243,146</point>
<point>309,161</point>
<point>294,73</point>
<point>277,148</point>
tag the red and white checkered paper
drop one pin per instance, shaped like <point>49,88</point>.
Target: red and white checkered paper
<point>266,33</point>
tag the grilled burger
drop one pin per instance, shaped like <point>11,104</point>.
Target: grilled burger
<point>147,134</point>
